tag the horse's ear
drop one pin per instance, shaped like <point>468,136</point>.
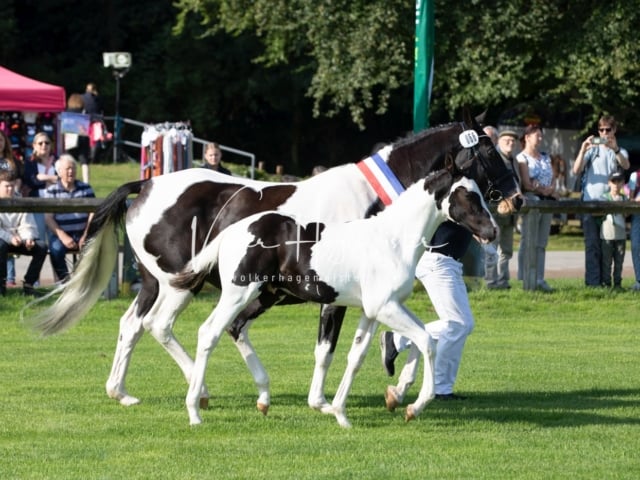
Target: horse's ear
<point>466,116</point>
<point>480,118</point>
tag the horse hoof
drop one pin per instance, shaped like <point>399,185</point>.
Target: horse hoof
<point>264,409</point>
<point>204,403</point>
<point>128,400</point>
<point>390,398</point>
<point>409,414</point>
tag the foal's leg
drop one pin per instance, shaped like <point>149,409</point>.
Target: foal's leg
<point>394,396</point>
<point>401,320</point>
<point>233,300</point>
<point>331,318</point>
<point>361,343</point>
<point>239,331</point>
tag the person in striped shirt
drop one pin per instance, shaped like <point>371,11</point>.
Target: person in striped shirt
<point>67,231</point>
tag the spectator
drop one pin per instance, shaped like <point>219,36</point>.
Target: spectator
<point>18,234</point>
<point>598,158</point>
<point>213,158</point>
<point>538,182</point>
<point>67,231</point>
<point>614,234</point>
<point>499,252</point>
<point>440,271</point>
<point>93,106</point>
<point>75,144</point>
<point>92,100</point>
<point>11,164</point>
<point>39,173</point>
<point>634,194</point>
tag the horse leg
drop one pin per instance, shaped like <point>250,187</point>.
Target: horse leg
<point>400,319</point>
<point>361,343</point>
<point>239,331</point>
<point>130,332</point>
<point>159,323</point>
<point>232,301</point>
<point>331,318</point>
<point>395,395</point>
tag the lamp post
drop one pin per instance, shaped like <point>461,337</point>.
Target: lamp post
<point>120,62</point>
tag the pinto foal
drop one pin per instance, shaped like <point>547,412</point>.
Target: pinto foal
<point>367,263</point>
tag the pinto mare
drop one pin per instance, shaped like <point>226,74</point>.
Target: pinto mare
<point>175,215</point>
<point>368,263</point>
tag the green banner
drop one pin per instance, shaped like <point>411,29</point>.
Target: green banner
<point>423,70</point>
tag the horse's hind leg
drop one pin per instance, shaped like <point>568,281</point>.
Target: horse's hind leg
<point>331,318</point>
<point>159,322</point>
<point>361,343</point>
<point>130,332</point>
<point>239,331</point>
<point>232,301</point>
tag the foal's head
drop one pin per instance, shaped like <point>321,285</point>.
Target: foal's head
<point>461,201</point>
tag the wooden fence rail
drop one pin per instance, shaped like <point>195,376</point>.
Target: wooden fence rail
<point>572,206</point>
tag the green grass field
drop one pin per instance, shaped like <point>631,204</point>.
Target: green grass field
<point>551,379</point>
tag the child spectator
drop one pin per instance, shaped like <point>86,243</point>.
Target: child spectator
<point>613,234</point>
<point>18,234</point>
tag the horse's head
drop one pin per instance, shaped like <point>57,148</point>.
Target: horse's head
<point>462,202</point>
<point>478,159</point>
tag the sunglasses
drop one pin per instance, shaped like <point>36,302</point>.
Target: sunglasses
<point>606,130</point>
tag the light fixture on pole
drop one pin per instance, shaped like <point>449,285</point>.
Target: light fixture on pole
<point>120,62</point>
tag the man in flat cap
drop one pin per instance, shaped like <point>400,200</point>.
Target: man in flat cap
<point>500,251</point>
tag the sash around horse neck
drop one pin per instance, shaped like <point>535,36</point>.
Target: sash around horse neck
<point>383,181</point>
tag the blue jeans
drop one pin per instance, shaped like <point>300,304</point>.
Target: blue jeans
<point>592,251</point>
<point>635,245</point>
<point>57,252</point>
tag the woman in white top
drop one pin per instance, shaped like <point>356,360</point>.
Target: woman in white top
<point>537,182</point>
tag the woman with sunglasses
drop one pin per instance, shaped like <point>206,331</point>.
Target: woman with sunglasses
<point>599,156</point>
<point>39,173</point>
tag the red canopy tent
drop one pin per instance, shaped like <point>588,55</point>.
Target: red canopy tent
<point>23,94</point>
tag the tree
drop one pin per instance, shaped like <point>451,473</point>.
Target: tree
<point>579,55</point>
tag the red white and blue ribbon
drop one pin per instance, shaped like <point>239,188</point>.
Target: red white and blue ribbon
<point>383,181</point>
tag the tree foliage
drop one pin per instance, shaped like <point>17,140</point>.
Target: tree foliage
<point>560,56</point>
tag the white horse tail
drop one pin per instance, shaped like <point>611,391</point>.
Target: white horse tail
<point>94,269</point>
<point>196,271</point>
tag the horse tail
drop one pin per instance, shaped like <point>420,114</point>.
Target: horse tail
<point>94,269</point>
<point>198,268</point>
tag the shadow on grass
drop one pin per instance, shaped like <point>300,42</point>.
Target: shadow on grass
<point>544,409</point>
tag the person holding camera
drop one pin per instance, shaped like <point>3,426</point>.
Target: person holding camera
<point>598,158</point>
<point>19,234</point>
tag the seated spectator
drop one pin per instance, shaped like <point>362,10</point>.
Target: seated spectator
<point>18,234</point>
<point>67,231</point>
<point>213,157</point>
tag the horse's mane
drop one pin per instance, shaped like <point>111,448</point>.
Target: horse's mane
<point>412,137</point>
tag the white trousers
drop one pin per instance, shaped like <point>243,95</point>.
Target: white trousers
<point>442,278</point>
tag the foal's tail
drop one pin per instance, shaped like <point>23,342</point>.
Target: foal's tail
<point>93,272</point>
<point>196,271</point>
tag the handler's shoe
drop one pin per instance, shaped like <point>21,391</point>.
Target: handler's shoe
<point>388,352</point>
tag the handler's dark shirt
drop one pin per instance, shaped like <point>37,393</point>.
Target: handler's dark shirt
<point>451,240</point>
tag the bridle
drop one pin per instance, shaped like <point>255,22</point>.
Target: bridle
<point>492,193</point>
